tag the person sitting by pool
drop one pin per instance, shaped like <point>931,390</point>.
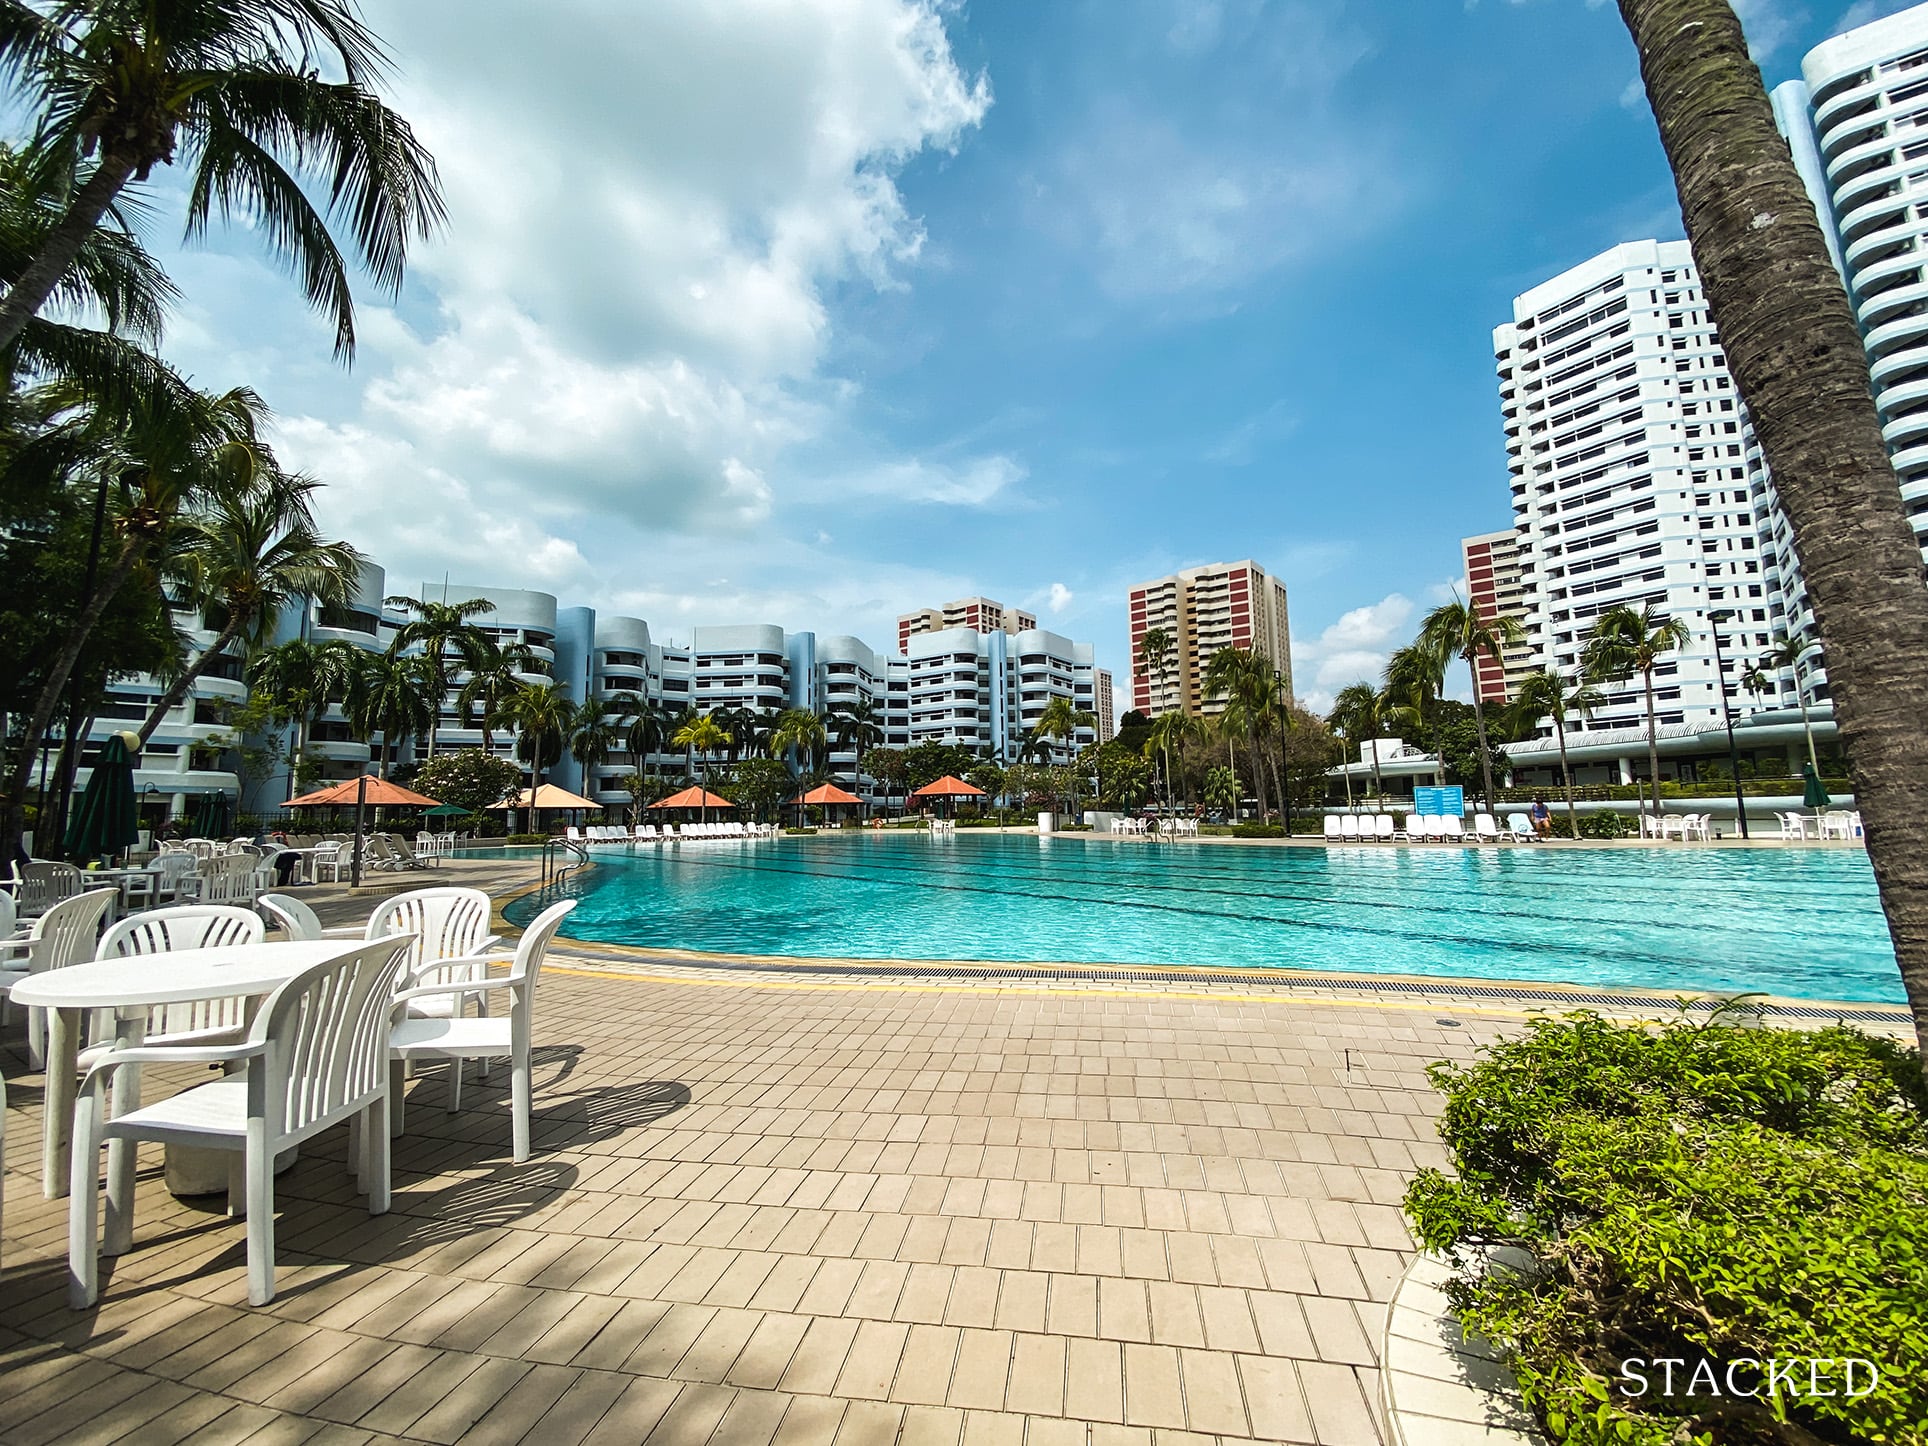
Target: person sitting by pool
<point>1542,816</point>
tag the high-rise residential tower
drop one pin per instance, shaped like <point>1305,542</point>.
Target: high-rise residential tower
<point>1496,587</point>
<point>1857,123</point>
<point>978,613</point>
<point>1635,477</point>
<point>1201,610</point>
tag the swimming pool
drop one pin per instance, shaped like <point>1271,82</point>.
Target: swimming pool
<point>1799,922</point>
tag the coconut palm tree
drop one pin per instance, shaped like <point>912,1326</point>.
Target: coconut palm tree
<point>142,474</point>
<point>541,715</point>
<point>1360,712</point>
<point>1548,694</point>
<point>648,726</point>
<point>387,694</point>
<point>1241,679</point>
<point>241,558</point>
<point>1059,724</point>
<point>234,90</point>
<point>1171,731</point>
<point>440,629</point>
<point>857,728</point>
<point>1459,630</point>
<point>702,736</point>
<point>1625,641</point>
<point>801,731</point>
<point>1784,654</point>
<point>1790,339</point>
<point>298,679</point>
<point>1154,648</point>
<point>595,728</point>
<point>500,671</point>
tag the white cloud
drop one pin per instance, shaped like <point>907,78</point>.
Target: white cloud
<point>1059,598</point>
<point>1352,650</point>
<point>613,361</point>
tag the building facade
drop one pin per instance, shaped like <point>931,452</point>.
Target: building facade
<point>980,614</point>
<point>1200,611</point>
<point>1496,588</point>
<point>1636,481</point>
<point>1857,124</point>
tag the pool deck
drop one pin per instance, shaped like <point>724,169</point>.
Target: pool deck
<point>772,1205</point>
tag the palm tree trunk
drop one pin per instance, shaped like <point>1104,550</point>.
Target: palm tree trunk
<point>1807,729</point>
<point>1791,343</point>
<point>1258,774</point>
<point>1566,773</point>
<point>187,679</point>
<point>13,808</point>
<point>1653,743</point>
<point>1479,725</point>
<point>57,252</point>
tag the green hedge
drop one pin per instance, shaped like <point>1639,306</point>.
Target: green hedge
<point>1699,1191</point>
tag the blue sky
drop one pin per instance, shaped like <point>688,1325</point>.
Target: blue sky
<point>812,312</point>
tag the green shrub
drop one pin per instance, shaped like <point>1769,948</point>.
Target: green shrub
<point>1699,1191</point>
<point>1594,825</point>
<point>1256,830</point>
<point>526,838</point>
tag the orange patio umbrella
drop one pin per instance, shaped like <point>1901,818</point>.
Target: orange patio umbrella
<point>950,786</point>
<point>693,797</point>
<point>361,792</point>
<point>366,789</point>
<point>827,795</point>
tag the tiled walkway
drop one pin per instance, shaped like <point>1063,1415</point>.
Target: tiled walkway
<point>863,1212</point>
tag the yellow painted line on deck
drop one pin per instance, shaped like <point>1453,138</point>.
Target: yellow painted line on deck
<point>1044,990</point>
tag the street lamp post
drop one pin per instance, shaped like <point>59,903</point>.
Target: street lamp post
<point>1714,620</point>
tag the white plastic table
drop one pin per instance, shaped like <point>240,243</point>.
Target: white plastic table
<point>130,987</point>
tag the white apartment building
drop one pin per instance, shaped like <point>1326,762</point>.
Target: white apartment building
<point>1857,124</point>
<point>1201,610</point>
<point>1635,477</point>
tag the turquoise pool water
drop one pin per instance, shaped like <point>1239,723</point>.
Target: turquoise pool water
<point>1801,922</point>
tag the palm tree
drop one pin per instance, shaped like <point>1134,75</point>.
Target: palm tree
<point>1059,724</point>
<point>1153,650</point>
<point>245,556</point>
<point>541,715</point>
<point>595,728</point>
<point>857,728</point>
<point>1784,654</point>
<point>439,629</point>
<point>1459,630</point>
<point>648,726</point>
<point>1360,712</point>
<point>164,457</point>
<point>299,679</point>
<point>1547,694</point>
<point>1625,641</point>
<point>500,671</point>
<point>1240,677</point>
<point>801,730</point>
<point>235,91</point>
<point>390,695</point>
<point>1776,297</point>
<point>701,735</point>
<point>1170,731</point>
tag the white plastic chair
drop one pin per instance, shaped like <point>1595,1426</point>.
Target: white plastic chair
<point>450,928</point>
<point>1521,827</point>
<point>1349,828</point>
<point>1382,826</point>
<point>65,934</point>
<point>163,931</point>
<point>314,1057</point>
<point>446,1035</point>
<point>1485,829</point>
<point>1453,830</point>
<point>1672,824</point>
<point>1698,825</point>
<point>40,885</point>
<point>295,919</point>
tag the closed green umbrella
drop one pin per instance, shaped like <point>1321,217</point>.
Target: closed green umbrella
<point>107,820</point>
<point>211,818</point>
<point>1816,796</point>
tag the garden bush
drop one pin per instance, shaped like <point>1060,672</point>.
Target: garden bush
<point>526,838</point>
<point>1696,1192</point>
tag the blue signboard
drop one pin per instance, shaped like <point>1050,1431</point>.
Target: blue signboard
<point>1445,802</point>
